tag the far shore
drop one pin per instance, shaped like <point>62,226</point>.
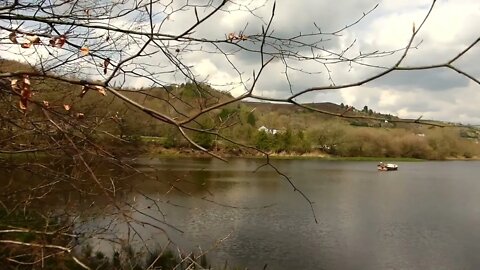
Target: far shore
<point>193,153</point>
<point>160,152</point>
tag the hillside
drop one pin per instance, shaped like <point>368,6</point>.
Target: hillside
<point>297,130</point>
<point>289,108</point>
<point>339,109</point>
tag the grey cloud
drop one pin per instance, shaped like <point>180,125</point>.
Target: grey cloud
<point>291,18</point>
<point>436,80</point>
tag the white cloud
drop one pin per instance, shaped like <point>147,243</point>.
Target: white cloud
<point>438,94</point>
<point>388,98</point>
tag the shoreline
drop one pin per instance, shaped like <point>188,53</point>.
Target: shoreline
<point>166,153</point>
<point>193,153</point>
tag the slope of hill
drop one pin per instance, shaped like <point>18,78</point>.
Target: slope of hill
<point>298,130</point>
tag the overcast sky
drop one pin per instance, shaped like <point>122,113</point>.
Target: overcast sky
<point>436,94</point>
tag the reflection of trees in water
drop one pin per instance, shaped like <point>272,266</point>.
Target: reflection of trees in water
<point>53,242</point>
<point>151,208</point>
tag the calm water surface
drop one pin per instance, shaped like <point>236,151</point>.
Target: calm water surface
<point>424,216</point>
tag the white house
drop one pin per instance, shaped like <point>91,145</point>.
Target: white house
<point>268,130</point>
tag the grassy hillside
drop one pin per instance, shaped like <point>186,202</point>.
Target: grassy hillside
<point>297,130</point>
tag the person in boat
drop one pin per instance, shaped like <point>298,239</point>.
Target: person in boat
<point>381,166</point>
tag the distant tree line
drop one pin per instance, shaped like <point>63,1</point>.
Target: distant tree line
<point>305,133</point>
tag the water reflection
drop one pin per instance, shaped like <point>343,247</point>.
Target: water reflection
<point>425,216</point>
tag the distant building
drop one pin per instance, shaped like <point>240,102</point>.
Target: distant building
<point>268,130</point>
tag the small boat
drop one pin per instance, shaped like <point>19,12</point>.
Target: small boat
<point>387,166</point>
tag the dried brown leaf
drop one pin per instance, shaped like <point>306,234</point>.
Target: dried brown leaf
<point>14,84</point>
<point>84,50</point>
<point>13,37</point>
<point>101,90</point>
<point>33,39</point>
<point>84,91</point>
<point>22,104</point>
<point>60,41</point>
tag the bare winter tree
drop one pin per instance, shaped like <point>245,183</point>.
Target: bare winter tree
<point>84,67</point>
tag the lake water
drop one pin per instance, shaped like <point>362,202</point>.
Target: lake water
<point>426,215</point>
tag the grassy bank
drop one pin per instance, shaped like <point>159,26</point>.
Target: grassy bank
<point>190,153</point>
